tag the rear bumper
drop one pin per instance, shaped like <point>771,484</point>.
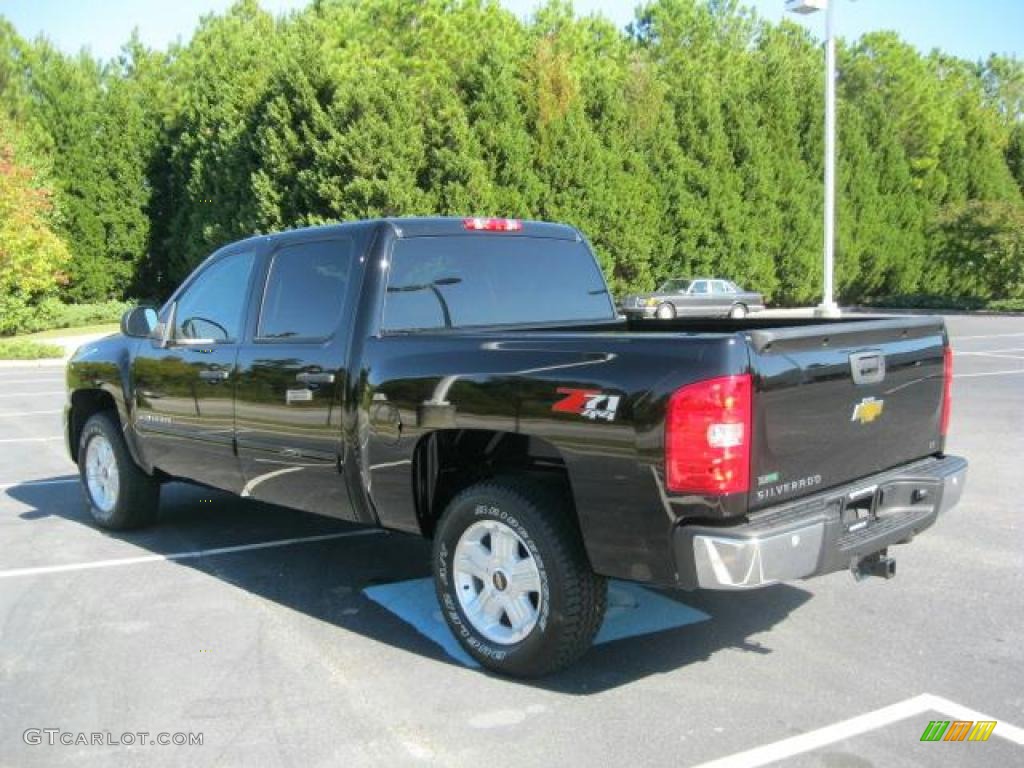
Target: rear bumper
<point>827,532</point>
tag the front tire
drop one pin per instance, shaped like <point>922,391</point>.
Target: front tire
<point>120,495</point>
<point>513,580</point>
<point>665,311</point>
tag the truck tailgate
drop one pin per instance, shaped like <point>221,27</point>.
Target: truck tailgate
<point>839,401</point>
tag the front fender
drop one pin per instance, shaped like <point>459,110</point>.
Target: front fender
<point>98,374</point>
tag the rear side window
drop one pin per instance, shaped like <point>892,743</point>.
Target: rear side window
<point>306,290</point>
<point>460,281</point>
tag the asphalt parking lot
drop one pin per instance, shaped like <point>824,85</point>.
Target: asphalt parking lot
<point>277,656</point>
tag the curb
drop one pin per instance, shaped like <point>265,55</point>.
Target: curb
<point>49,362</point>
<point>904,311</point>
<point>68,343</point>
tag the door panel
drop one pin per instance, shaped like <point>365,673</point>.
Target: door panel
<point>721,298</point>
<point>184,392</point>
<point>292,377</point>
<point>699,301</point>
<point>184,412</point>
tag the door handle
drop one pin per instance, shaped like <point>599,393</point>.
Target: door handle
<point>309,377</point>
<point>214,375</point>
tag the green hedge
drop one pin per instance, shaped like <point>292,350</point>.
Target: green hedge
<point>1006,305</point>
<point>21,349</point>
<point>932,301</point>
<point>17,317</point>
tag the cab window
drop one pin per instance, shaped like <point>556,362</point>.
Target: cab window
<point>306,289</point>
<point>453,282</point>
<point>700,286</point>
<point>213,304</point>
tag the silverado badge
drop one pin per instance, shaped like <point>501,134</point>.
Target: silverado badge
<point>867,410</point>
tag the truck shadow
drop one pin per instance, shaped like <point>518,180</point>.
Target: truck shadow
<point>325,580</point>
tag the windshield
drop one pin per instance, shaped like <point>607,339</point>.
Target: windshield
<point>674,286</point>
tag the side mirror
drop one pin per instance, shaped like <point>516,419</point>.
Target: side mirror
<point>138,322</point>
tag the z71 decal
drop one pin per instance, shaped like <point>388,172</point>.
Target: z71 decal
<point>589,403</point>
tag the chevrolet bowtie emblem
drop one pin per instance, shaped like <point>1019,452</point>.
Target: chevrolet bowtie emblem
<point>867,410</point>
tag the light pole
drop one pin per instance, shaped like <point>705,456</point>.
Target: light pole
<point>828,306</point>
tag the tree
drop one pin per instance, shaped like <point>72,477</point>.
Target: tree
<point>32,256</point>
<point>690,143</point>
<point>980,246</point>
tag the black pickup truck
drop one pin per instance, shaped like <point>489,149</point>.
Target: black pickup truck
<point>468,380</point>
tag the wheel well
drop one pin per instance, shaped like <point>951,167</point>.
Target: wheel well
<point>447,461</point>
<point>85,403</point>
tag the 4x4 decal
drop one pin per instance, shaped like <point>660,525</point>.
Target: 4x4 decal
<point>588,403</point>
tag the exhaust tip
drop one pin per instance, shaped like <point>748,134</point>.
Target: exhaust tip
<point>878,564</point>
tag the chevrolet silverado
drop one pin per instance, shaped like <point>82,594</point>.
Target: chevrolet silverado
<point>469,381</point>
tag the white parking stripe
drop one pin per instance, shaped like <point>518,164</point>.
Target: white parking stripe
<point>986,373</point>
<point>30,483</point>
<point>987,336</point>
<point>46,380</point>
<point>990,351</point>
<point>33,394</point>
<point>14,414</point>
<point>30,439</point>
<point>999,355</point>
<point>47,569</point>
<point>830,734</point>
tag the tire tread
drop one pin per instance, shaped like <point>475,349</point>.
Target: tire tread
<point>585,594</point>
<point>138,503</point>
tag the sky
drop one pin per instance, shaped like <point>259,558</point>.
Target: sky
<point>966,28</point>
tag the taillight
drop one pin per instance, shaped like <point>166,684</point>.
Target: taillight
<point>947,389</point>
<point>707,437</point>
<point>493,225</point>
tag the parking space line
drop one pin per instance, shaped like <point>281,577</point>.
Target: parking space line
<point>855,726</point>
<point>33,394</point>
<point>30,439</point>
<point>31,483</point>
<point>1007,354</point>
<point>986,373</point>
<point>987,336</point>
<point>988,351</point>
<point>41,380</point>
<point>48,569</point>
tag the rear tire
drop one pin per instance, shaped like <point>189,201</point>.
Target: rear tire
<point>120,495</point>
<point>513,579</point>
<point>738,311</point>
<point>665,311</point>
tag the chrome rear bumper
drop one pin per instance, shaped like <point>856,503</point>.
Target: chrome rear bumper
<point>827,532</point>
